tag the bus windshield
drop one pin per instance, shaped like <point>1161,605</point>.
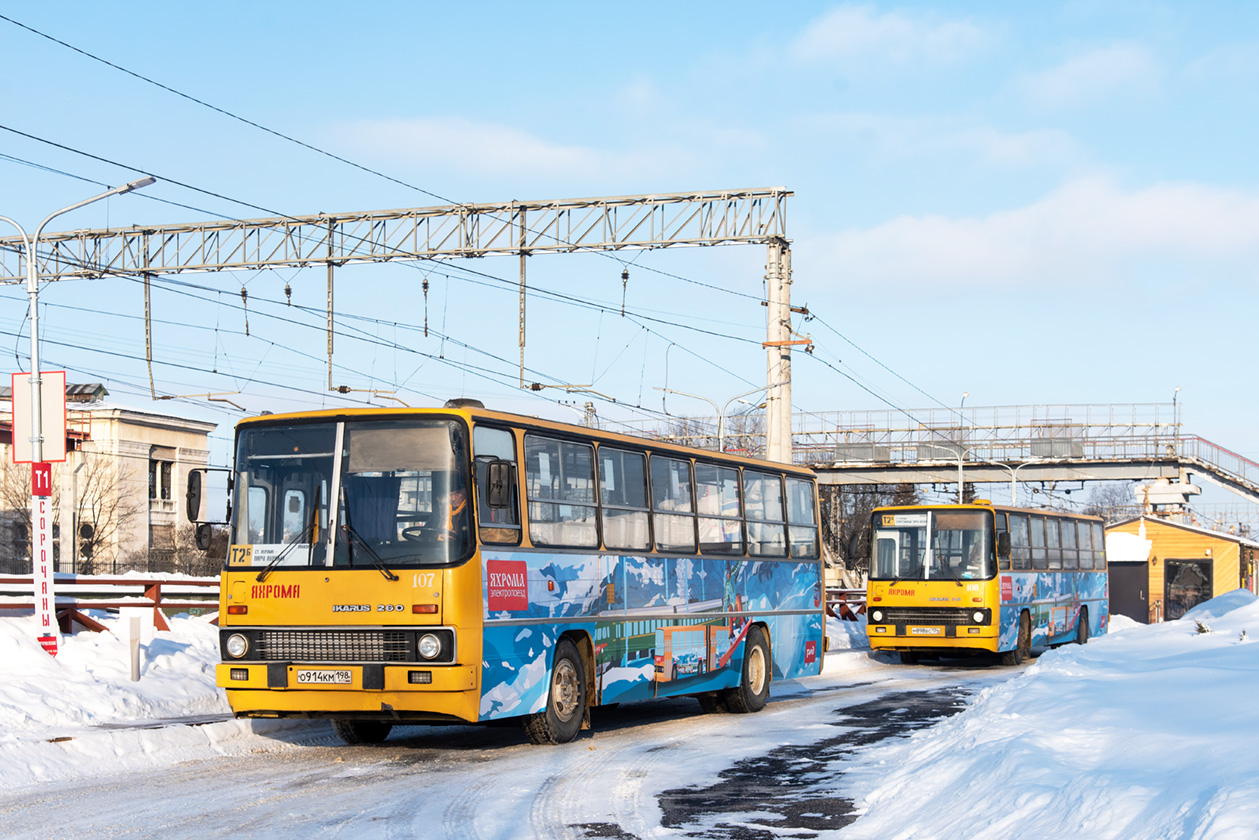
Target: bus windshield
<point>401,493</point>
<point>933,545</point>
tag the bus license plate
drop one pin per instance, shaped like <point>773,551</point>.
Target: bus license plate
<point>323,677</point>
<point>924,631</point>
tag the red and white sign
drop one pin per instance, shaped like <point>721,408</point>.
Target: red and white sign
<point>42,557</point>
<point>1007,587</point>
<point>810,653</point>
<point>506,585</point>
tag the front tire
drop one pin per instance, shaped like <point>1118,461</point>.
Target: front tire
<point>565,709</point>
<point>752,693</point>
<point>1023,647</point>
<point>909,657</point>
<point>1082,627</point>
<point>361,731</point>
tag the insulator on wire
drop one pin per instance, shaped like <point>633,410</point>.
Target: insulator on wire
<point>288,294</point>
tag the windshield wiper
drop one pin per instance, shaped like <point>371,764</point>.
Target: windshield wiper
<point>284,552</point>
<point>376,561</point>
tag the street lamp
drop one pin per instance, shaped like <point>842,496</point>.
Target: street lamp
<point>959,451</point>
<point>721,414</point>
<point>41,532</point>
<point>32,291</point>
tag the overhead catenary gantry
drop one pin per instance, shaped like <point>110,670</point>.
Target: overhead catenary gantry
<point>516,228</point>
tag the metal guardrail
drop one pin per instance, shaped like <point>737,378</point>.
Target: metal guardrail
<point>75,593</point>
<point>845,604</point>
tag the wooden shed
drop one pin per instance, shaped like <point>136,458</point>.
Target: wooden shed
<point>1184,566</point>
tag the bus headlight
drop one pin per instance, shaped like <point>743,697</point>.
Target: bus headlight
<point>876,616</point>
<point>237,646</point>
<point>429,646</point>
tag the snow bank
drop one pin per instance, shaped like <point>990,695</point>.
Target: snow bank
<point>1147,732</point>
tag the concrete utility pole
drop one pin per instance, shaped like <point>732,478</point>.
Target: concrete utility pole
<point>778,343</point>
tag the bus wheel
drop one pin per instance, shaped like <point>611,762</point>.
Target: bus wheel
<point>361,731</point>
<point>753,689</point>
<point>1023,647</point>
<point>565,702</point>
<point>1082,627</point>
<point>909,657</point>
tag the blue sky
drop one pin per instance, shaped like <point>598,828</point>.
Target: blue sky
<point>1046,203</point>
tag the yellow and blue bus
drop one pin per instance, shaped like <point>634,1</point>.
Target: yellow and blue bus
<point>391,566</point>
<point>960,579</point>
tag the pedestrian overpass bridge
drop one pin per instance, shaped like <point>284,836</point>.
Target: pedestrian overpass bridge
<point>993,445</point>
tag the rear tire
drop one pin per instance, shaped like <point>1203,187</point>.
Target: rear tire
<point>361,731</point>
<point>909,657</point>
<point>1023,647</point>
<point>565,700</point>
<point>1082,627</point>
<point>752,692</point>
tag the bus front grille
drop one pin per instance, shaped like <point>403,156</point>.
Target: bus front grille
<point>926,615</point>
<point>334,646</point>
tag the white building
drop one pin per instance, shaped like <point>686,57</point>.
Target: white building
<point>126,468</point>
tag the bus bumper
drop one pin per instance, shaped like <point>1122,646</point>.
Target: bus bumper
<point>932,637</point>
<point>406,692</point>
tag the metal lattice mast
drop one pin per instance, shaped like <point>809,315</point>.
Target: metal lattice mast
<point>635,222</point>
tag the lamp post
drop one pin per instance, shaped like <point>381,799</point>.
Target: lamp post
<point>41,530</point>
<point>959,451</point>
<point>721,414</point>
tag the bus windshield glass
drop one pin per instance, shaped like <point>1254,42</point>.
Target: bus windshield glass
<point>933,545</point>
<point>401,494</point>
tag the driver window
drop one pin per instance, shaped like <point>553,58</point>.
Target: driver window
<point>500,526</point>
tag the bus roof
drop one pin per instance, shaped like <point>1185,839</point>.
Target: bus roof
<point>986,505</point>
<point>478,415</point>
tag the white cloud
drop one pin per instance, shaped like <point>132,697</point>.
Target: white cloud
<point>464,146</point>
<point>854,36</point>
<point>1087,232</point>
<point>918,137</point>
<point>1099,75</point>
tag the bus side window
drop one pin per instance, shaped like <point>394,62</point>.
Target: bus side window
<point>1070,559</point>
<point>763,501</point>
<point>496,525</point>
<point>1040,556</point>
<point>720,511</point>
<point>1099,546</point>
<point>1020,549</point>
<point>559,479</point>
<point>673,518</point>
<point>1086,545</point>
<point>1051,540</point>
<point>623,498</point>
<point>801,528</point>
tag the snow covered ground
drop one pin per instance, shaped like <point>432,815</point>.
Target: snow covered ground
<point>1145,733</point>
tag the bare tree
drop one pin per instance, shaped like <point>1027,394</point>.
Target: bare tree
<point>1113,501</point>
<point>107,507</point>
<point>846,510</point>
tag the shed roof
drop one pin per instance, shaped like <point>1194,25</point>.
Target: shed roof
<point>1197,529</point>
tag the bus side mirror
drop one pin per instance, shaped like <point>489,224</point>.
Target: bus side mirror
<point>193,496</point>
<point>498,483</point>
<point>1003,545</point>
<point>854,544</point>
<point>203,534</point>
<point>205,484</point>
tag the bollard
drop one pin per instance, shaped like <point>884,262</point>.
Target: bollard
<point>135,649</point>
